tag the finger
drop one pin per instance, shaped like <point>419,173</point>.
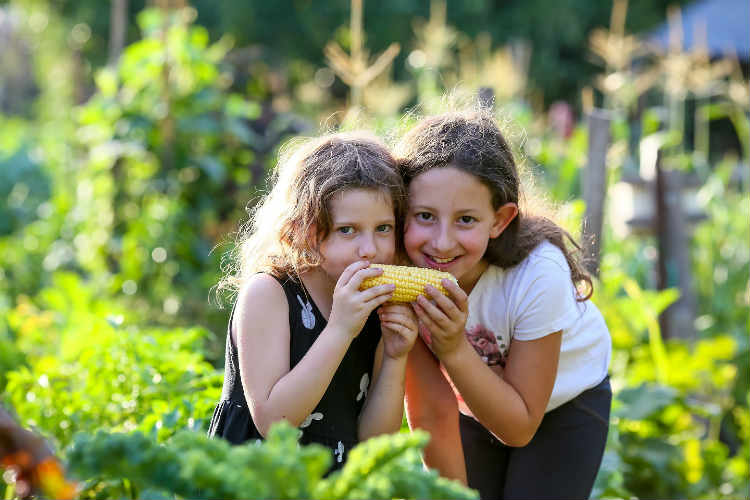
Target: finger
<point>406,327</point>
<point>408,319</point>
<point>422,329</point>
<point>432,311</point>
<point>405,333</point>
<point>362,274</point>
<point>457,293</point>
<point>350,271</point>
<point>374,301</point>
<point>378,291</point>
<point>402,308</point>
<point>446,305</point>
<point>387,312</point>
<point>423,316</point>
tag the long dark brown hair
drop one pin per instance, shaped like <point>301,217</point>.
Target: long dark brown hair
<point>472,142</point>
<point>284,230</point>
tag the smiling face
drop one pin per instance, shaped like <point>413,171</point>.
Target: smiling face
<point>450,222</point>
<point>362,228</point>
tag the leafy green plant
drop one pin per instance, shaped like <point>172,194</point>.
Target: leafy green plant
<point>87,367</point>
<point>191,465</point>
<point>670,401</point>
<point>165,147</point>
<point>153,174</point>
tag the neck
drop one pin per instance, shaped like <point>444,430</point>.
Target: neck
<point>470,279</point>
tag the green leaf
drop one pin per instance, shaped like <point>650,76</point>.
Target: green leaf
<point>236,105</point>
<point>213,168</point>
<point>645,400</point>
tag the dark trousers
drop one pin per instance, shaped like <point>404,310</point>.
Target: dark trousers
<point>561,460</point>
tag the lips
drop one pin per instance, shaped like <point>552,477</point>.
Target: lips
<point>438,262</point>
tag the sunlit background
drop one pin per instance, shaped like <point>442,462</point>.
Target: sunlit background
<point>134,135</point>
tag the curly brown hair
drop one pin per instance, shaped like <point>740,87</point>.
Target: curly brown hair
<point>470,140</point>
<point>283,232</point>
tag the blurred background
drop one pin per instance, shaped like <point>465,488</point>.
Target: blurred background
<point>134,135</point>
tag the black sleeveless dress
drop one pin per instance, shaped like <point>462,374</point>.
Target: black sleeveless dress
<point>333,423</point>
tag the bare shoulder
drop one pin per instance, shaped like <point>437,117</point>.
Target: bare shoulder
<point>261,302</point>
<point>261,285</point>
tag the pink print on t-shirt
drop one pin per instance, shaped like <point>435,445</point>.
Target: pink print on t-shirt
<point>485,344</point>
<point>481,339</point>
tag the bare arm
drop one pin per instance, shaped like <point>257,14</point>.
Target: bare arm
<point>384,407</point>
<point>431,406</point>
<point>272,391</point>
<point>511,406</point>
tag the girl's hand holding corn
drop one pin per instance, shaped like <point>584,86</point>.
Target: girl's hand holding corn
<point>429,290</point>
<point>399,327</point>
<point>351,306</point>
<point>443,317</point>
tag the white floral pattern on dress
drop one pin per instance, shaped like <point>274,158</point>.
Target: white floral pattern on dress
<point>310,418</point>
<point>308,318</point>
<point>339,452</point>
<point>364,384</point>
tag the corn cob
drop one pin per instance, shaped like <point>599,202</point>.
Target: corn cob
<point>409,281</point>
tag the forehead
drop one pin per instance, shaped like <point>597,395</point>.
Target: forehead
<point>449,188</point>
<point>352,203</point>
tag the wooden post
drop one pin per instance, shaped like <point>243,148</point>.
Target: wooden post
<point>118,23</point>
<point>594,186</point>
<point>674,253</point>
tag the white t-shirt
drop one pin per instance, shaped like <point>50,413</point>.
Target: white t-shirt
<point>531,300</point>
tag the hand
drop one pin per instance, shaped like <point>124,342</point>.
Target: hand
<point>399,326</point>
<point>351,307</point>
<point>443,317</point>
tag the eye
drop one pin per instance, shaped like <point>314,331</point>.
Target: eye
<point>384,228</point>
<point>345,230</point>
<point>466,219</point>
<point>424,216</point>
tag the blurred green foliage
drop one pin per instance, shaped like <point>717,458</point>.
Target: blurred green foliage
<point>557,33</point>
<point>89,366</point>
<point>110,210</point>
<point>161,158</point>
<point>191,465</point>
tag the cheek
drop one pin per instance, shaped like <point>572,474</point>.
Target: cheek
<point>414,238</point>
<point>331,248</point>
<point>476,241</point>
<point>387,247</point>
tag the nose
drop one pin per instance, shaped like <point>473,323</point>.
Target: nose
<point>442,240</point>
<point>367,247</point>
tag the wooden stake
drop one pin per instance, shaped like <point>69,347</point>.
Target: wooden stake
<point>674,254</point>
<point>594,187</point>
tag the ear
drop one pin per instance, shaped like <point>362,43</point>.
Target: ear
<point>503,216</point>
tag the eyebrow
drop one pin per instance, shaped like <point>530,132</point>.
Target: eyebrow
<point>427,207</point>
<point>390,220</point>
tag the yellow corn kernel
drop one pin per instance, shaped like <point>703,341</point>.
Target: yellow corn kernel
<point>409,281</point>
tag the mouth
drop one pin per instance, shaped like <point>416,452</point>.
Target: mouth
<point>439,263</point>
